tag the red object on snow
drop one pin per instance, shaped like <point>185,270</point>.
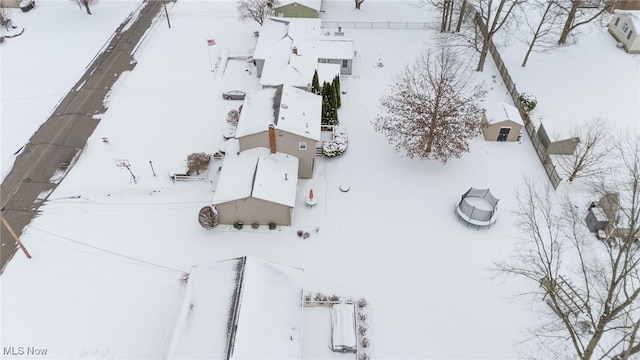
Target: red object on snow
<point>311,194</point>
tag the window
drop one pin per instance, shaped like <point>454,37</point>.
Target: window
<point>322,61</point>
<point>345,63</point>
<point>617,21</point>
<point>302,145</point>
<point>629,35</point>
<point>624,27</point>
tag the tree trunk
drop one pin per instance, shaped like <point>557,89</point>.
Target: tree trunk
<point>445,16</point>
<point>569,23</point>
<point>483,54</point>
<point>461,17</point>
<point>86,6</point>
<point>358,3</point>
<point>450,14</point>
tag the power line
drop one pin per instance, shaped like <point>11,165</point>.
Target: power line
<point>106,251</point>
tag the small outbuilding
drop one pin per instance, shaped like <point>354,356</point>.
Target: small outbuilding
<point>624,27</point>
<point>501,122</point>
<point>596,219</point>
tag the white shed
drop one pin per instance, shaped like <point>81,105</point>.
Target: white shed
<point>624,26</point>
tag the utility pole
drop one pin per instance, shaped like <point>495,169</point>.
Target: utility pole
<point>15,237</point>
<point>164,4</point>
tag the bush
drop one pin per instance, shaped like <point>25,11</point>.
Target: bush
<point>528,101</point>
<point>299,232</point>
<point>208,217</point>
<point>272,226</point>
<point>362,302</point>
<point>232,117</point>
<point>364,356</point>
<point>305,235</point>
<point>197,162</point>
<point>365,342</point>
<point>238,225</point>
<point>334,298</point>
<point>339,144</point>
<point>255,225</point>
<point>362,330</point>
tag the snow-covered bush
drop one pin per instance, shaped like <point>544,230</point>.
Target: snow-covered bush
<point>528,101</point>
<point>198,161</point>
<point>208,217</point>
<point>362,302</point>
<point>365,342</point>
<point>238,225</point>
<point>272,226</point>
<point>338,145</point>
<point>232,117</point>
<point>255,225</point>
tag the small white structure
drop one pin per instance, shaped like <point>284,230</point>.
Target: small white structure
<point>501,122</point>
<point>242,308</point>
<point>624,27</point>
<point>343,328</point>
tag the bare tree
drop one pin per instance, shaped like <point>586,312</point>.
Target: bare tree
<point>256,10</point>
<point>589,157</point>
<point>86,4</point>
<point>232,117</point>
<point>577,15</point>
<point>446,7</point>
<point>432,109</point>
<point>592,288</point>
<point>494,14</point>
<point>546,25</point>
<point>208,217</point>
<point>358,3</point>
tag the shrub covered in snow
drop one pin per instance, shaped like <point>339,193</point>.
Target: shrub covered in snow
<point>338,145</point>
<point>529,101</point>
<point>232,117</point>
<point>238,225</point>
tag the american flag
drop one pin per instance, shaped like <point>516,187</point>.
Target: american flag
<point>211,42</point>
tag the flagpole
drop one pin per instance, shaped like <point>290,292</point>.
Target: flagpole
<point>209,52</point>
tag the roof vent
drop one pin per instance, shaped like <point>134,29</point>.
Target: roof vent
<point>284,106</point>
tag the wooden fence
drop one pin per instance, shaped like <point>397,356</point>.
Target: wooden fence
<point>393,25</point>
<point>549,168</point>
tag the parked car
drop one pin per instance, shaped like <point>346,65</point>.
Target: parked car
<point>233,95</point>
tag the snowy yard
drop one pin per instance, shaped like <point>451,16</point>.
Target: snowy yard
<point>108,255</point>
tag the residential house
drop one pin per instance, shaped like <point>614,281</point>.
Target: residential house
<point>289,50</point>
<point>502,122</point>
<point>241,308</point>
<point>291,115</point>
<point>299,9</point>
<point>256,186</point>
<point>10,3</point>
<point>623,4</point>
<point>624,27</point>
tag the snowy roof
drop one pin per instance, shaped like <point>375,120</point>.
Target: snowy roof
<point>599,214</point>
<point>312,4</point>
<point>301,113</point>
<point>259,174</point>
<point>296,71</point>
<point>555,129</point>
<point>327,72</point>
<point>632,15</point>
<point>267,311</point>
<point>502,111</point>
<point>327,47</point>
<point>275,29</point>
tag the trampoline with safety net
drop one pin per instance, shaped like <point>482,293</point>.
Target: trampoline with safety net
<point>478,207</point>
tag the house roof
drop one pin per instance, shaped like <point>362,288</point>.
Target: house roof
<point>280,36</point>
<point>261,300</point>
<point>312,4</point>
<point>327,47</point>
<point>259,174</point>
<point>300,115</point>
<point>502,111</point>
<point>327,72</point>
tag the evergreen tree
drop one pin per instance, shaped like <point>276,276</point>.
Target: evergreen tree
<point>333,102</point>
<point>336,86</point>
<point>315,83</point>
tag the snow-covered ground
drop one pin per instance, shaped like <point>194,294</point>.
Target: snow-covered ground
<point>108,254</point>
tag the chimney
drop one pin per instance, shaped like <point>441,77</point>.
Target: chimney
<point>272,138</point>
<point>295,50</point>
